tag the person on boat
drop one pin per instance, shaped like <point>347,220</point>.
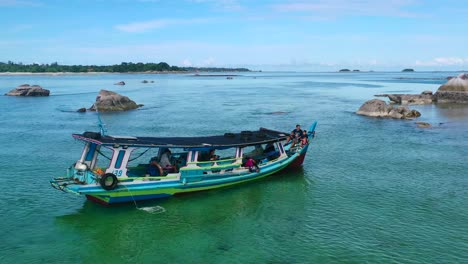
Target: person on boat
<point>154,169</point>
<point>295,135</point>
<point>165,161</point>
<point>213,156</point>
<point>304,138</point>
<point>252,165</point>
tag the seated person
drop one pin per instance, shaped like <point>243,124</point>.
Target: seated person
<point>304,138</point>
<point>154,169</point>
<point>165,161</point>
<point>251,164</point>
<point>295,135</point>
<point>213,156</point>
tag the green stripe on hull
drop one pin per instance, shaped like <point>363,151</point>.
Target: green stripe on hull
<point>107,197</point>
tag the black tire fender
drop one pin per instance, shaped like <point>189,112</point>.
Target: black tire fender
<point>105,182</point>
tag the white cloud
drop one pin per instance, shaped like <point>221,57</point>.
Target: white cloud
<point>138,27</point>
<point>443,61</point>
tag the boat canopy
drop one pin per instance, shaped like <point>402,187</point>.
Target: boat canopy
<point>228,140</point>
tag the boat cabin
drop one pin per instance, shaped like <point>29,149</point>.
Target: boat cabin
<point>184,158</point>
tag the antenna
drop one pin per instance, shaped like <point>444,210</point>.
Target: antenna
<point>102,126</point>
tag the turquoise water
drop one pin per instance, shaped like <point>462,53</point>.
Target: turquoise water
<point>370,190</point>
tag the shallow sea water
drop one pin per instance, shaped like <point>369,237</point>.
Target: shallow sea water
<point>370,190</point>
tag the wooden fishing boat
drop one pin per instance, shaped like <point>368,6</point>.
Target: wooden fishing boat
<point>136,170</point>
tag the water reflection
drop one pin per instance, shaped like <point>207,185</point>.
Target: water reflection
<point>207,219</point>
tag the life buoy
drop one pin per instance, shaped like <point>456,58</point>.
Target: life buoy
<point>108,181</point>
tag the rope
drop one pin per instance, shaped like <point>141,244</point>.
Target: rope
<point>102,154</point>
<point>139,155</point>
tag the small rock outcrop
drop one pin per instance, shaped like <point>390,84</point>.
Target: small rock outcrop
<point>108,101</point>
<point>455,90</point>
<point>378,108</point>
<point>408,99</point>
<point>27,90</point>
<point>144,81</point>
<point>344,70</point>
<point>120,83</point>
<point>408,70</point>
<point>375,107</point>
<point>423,124</point>
<point>81,110</point>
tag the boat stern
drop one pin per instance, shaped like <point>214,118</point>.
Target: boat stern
<point>76,177</point>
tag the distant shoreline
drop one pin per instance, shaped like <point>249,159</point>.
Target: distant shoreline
<point>90,73</point>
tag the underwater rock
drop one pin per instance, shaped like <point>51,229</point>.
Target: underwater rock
<point>378,108</point>
<point>455,90</point>
<point>108,101</point>
<point>423,124</point>
<point>81,110</point>
<point>120,83</point>
<point>27,90</point>
<point>144,81</point>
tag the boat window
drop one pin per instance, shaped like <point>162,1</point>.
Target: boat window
<point>103,159</point>
<point>221,154</point>
<point>118,163</point>
<point>140,158</point>
<point>253,151</point>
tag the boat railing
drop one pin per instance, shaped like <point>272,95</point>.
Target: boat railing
<point>222,164</point>
<point>149,178</point>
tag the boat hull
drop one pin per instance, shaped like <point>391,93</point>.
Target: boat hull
<point>149,191</point>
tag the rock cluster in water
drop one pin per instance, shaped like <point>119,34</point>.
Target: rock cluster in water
<point>379,108</point>
<point>108,101</point>
<point>120,83</point>
<point>425,97</point>
<point>27,90</point>
<point>455,90</point>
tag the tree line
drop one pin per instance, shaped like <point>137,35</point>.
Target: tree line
<point>117,68</point>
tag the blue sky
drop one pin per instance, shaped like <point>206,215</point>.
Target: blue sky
<point>314,35</point>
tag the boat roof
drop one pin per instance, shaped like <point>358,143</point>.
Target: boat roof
<point>228,140</point>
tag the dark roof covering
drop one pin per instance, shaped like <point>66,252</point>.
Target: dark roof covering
<point>245,138</point>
